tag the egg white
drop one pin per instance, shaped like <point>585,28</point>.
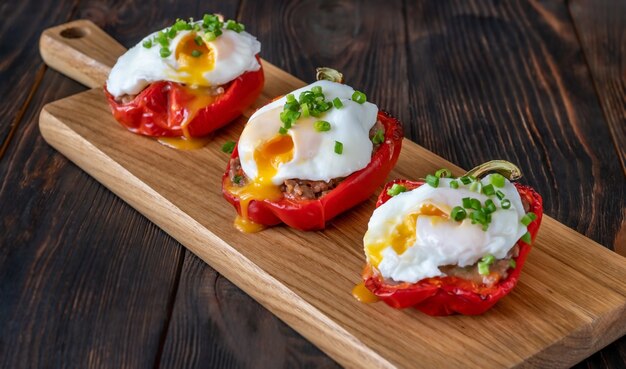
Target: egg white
<point>235,53</point>
<point>442,242</point>
<point>314,156</point>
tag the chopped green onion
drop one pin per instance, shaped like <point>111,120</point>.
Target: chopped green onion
<point>528,218</point>
<point>483,268</point>
<point>526,238</point>
<point>465,180</point>
<point>196,53</point>
<point>234,26</point>
<point>506,204</point>
<point>443,173</point>
<point>476,186</point>
<point>165,52</point>
<point>237,179</point>
<point>454,184</point>
<point>432,180</point>
<point>147,44</point>
<point>489,190</point>
<point>458,213</point>
<point>282,130</point>
<point>161,39</point>
<point>210,36</point>
<point>359,97</point>
<point>490,207</point>
<point>500,194</point>
<point>338,148</point>
<point>337,103</point>
<point>316,90</point>
<point>322,126</point>
<point>396,189</point>
<point>305,109</point>
<point>228,147</point>
<point>478,217</point>
<point>512,263</point>
<point>171,33</point>
<point>198,41</point>
<point>475,204</point>
<point>290,98</point>
<point>467,202</point>
<point>497,180</point>
<point>488,259</point>
<point>379,137</point>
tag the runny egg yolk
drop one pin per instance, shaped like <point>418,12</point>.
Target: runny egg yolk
<point>267,157</point>
<point>193,61</point>
<point>403,235</point>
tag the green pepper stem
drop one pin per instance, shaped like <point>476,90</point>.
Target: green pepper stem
<point>503,167</point>
<point>328,74</point>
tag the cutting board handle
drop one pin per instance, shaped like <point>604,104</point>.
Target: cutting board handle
<point>80,50</point>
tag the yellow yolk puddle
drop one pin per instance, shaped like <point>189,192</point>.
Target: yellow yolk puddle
<point>267,157</point>
<point>195,67</point>
<point>403,235</point>
<point>362,294</point>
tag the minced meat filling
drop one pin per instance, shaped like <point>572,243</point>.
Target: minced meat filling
<point>301,189</point>
<point>497,271</point>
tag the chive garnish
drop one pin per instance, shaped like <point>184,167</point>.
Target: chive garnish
<point>359,97</point>
<point>458,213</point>
<point>322,126</point>
<point>338,148</point>
<point>228,147</point>
<point>396,189</point>
<point>432,180</point>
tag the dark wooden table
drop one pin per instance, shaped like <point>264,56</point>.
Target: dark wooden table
<point>86,281</point>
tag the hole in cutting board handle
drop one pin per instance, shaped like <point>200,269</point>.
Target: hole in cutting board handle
<point>74,32</point>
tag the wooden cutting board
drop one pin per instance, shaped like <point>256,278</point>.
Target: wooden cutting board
<point>569,303</point>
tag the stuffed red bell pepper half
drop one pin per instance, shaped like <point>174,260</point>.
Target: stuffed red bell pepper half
<point>310,155</point>
<point>451,245</point>
<point>186,80</point>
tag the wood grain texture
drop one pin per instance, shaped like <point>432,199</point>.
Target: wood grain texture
<point>186,327</point>
<point>20,68</point>
<point>601,29</point>
<point>81,51</point>
<point>508,80</point>
<point>83,278</point>
<point>305,278</point>
<point>362,39</point>
<point>128,21</point>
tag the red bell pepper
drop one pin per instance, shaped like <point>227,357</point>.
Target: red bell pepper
<point>309,215</point>
<point>161,108</point>
<point>449,295</point>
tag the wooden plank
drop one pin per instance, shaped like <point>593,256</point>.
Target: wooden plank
<point>215,322</point>
<point>601,29</point>
<point>83,277</point>
<point>508,80</point>
<point>305,278</point>
<point>21,69</point>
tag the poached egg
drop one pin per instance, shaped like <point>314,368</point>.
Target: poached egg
<point>411,235</point>
<point>268,158</point>
<point>190,61</point>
